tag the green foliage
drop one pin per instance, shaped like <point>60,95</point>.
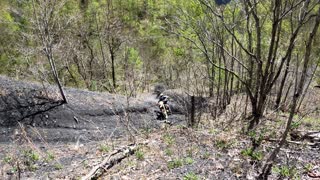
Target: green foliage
<point>166,40</point>
<point>188,160</point>
<point>8,159</point>
<point>30,159</point>
<point>206,155</point>
<point>178,162</point>
<point>168,152</point>
<point>31,155</point>
<point>104,148</point>
<point>285,171</point>
<point>223,144</point>
<point>190,176</point>
<point>254,155</point>
<point>308,167</point>
<point>93,86</point>
<point>139,155</point>
<point>175,163</point>
<point>85,164</point>
<point>50,157</point>
<point>134,58</point>
<point>12,162</point>
<point>168,139</point>
<point>295,125</point>
<point>58,166</point>
<point>257,138</point>
<point>213,131</point>
<point>179,52</point>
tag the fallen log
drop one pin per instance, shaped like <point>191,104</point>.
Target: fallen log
<point>312,136</point>
<point>114,158</point>
<point>313,145</point>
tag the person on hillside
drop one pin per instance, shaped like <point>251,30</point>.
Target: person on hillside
<point>163,110</point>
<point>165,99</point>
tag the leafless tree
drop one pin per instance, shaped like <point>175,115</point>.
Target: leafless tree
<point>47,28</point>
<point>299,87</point>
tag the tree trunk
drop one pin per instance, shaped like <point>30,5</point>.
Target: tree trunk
<point>55,74</point>
<point>113,70</point>
<point>298,90</point>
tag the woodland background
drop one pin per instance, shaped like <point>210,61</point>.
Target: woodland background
<point>264,51</point>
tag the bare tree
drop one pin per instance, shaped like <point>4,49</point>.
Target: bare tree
<point>261,65</point>
<point>47,29</point>
<point>300,83</point>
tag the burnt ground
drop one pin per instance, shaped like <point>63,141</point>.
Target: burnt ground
<point>88,115</point>
<point>66,141</point>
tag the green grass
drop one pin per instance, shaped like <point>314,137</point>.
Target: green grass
<point>104,148</point>
<point>31,155</point>
<point>168,152</point>
<point>285,171</point>
<point>139,155</point>
<point>254,155</point>
<point>223,144</point>
<point>50,157</point>
<point>206,155</point>
<point>58,166</point>
<point>7,159</point>
<point>178,162</point>
<point>175,163</point>
<point>190,176</point>
<point>188,160</point>
<point>168,139</point>
<point>30,159</point>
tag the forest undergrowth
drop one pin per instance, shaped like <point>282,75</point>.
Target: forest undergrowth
<point>212,150</point>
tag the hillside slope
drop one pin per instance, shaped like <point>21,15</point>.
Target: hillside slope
<point>88,115</point>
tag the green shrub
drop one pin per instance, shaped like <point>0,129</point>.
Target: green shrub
<point>190,176</point>
<point>252,154</point>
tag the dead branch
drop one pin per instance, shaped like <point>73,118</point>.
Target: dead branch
<point>114,158</point>
<point>292,142</point>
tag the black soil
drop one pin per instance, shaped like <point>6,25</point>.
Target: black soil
<point>87,115</point>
